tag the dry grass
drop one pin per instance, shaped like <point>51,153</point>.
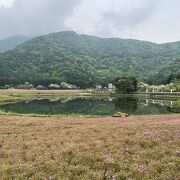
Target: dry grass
<point>143,147</point>
<point>5,91</point>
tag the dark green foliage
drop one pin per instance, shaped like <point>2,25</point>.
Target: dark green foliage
<point>85,61</point>
<point>173,78</point>
<point>126,84</point>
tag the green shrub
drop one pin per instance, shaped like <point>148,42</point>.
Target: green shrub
<point>40,87</point>
<point>27,85</point>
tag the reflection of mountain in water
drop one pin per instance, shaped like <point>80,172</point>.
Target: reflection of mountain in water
<point>126,105</point>
<point>74,106</point>
<point>92,106</point>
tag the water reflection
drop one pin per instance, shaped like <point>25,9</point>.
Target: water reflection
<point>93,106</point>
<point>126,105</point>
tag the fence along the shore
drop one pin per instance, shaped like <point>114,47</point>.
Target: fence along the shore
<point>161,92</point>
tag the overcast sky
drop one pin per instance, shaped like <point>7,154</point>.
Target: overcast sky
<point>152,20</point>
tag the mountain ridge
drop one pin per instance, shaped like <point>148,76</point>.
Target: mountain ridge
<point>11,42</point>
<point>86,60</point>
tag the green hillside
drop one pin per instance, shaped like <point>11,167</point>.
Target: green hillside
<point>11,42</point>
<point>87,60</point>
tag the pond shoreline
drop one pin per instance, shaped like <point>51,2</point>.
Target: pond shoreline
<point>83,92</point>
<point>154,119</point>
<point>86,116</point>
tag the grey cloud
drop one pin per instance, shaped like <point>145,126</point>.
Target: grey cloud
<point>35,16</point>
<point>125,20</point>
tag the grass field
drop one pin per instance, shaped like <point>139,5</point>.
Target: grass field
<point>141,147</point>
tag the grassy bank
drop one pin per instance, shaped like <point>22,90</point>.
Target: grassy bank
<point>51,115</point>
<point>13,95</point>
<point>97,148</point>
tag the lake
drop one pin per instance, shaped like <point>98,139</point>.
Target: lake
<point>92,106</point>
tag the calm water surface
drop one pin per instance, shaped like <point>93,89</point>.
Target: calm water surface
<point>88,106</point>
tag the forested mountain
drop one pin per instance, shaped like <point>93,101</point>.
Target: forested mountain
<point>11,42</point>
<point>87,60</point>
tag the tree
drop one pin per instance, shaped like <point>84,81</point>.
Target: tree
<point>174,77</point>
<point>142,86</point>
<point>126,84</point>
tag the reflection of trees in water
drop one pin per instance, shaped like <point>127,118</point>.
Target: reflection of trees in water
<point>62,106</point>
<point>88,106</point>
<point>140,107</point>
<point>126,105</point>
<point>151,109</point>
<point>175,108</point>
<point>157,101</point>
<point>157,106</point>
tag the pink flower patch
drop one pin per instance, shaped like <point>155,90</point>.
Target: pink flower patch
<point>150,134</point>
<point>143,168</point>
